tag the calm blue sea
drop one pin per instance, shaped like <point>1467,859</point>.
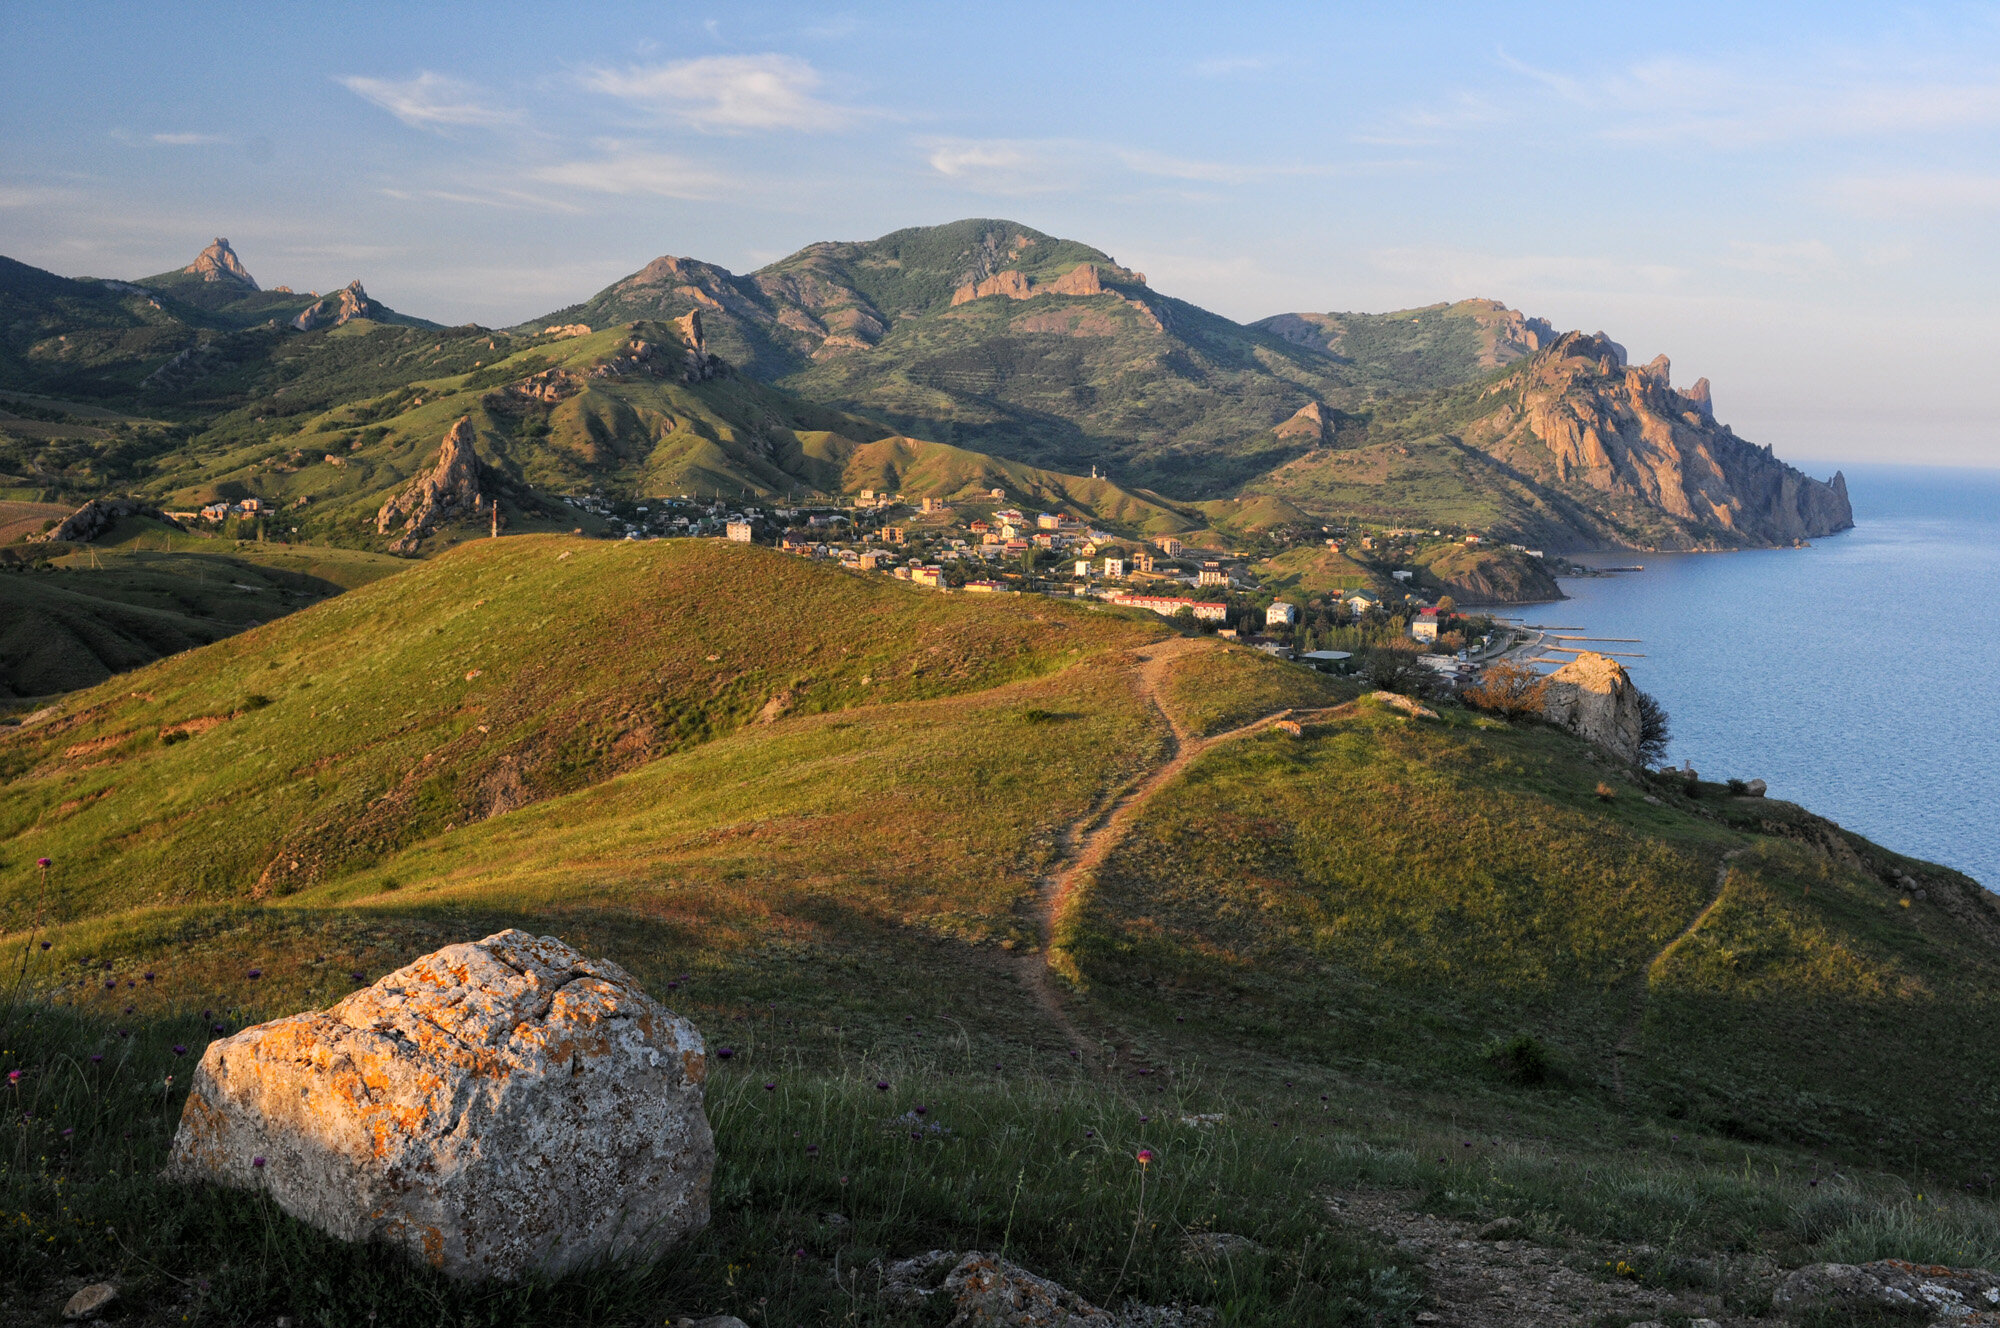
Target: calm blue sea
<point>1856,676</point>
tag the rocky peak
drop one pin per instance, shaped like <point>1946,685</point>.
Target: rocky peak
<point>700,364</point>
<point>1308,425</point>
<point>348,303</point>
<point>219,262</point>
<point>1702,403</point>
<point>450,487</point>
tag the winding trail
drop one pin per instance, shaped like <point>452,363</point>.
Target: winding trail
<point>1628,1039</point>
<point>1089,841</point>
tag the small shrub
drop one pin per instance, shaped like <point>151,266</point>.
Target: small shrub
<point>256,701</point>
<point>1521,1058</point>
<point>1508,689</point>
<point>1738,787</point>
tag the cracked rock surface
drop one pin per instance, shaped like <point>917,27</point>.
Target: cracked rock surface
<point>495,1108</point>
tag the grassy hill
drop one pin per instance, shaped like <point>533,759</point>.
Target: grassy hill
<point>75,616</point>
<point>849,826</point>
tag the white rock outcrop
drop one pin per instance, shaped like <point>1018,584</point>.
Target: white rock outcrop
<point>496,1108</point>
<point>1593,697</point>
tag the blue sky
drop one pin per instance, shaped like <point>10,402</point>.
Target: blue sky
<point>1799,202</point>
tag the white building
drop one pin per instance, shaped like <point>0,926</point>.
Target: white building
<point>1114,568</point>
<point>741,531</point>
<point>1281,614</point>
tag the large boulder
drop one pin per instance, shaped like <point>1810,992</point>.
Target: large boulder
<point>496,1108</point>
<point>1593,697</point>
<point>1957,1295</point>
<point>449,488</point>
<point>99,515</point>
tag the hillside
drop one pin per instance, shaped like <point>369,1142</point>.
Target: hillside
<point>1569,448</point>
<point>1438,345</point>
<point>1049,873</point>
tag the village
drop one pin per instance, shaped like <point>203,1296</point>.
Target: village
<point>988,545</point>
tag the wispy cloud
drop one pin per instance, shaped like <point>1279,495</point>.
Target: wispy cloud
<point>189,140</point>
<point>728,93</point>
<point>430,101</point>
<point>634,171</point>
<point>1919,195</point>
<point>1038,166</point>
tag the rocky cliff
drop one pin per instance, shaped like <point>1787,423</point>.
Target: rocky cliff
<point>344,305</point>
<point>1593,697</point>
<point>1586,419</point>
<point>219,262</point>
<point>449,488</point>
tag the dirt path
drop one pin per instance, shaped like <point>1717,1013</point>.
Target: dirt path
<point>1628,1040</point>
<point>1089,841</point>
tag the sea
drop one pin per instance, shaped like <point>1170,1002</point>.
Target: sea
<point>1856,676</point>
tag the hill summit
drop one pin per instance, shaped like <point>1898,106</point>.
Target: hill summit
<point>219,262</point>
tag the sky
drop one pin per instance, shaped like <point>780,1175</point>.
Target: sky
<point>1799,202</point>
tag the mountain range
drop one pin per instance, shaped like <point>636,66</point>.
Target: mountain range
<point>982,348</point>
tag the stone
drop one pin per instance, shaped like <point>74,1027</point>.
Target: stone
<point>1308,425</point>
<point>1504,1228</point>
<point>1209,1246</point>
<point>219,262</point>
<point>496,1108</point>
<point>1593,697</point>
<point>449,488</point>
<point>344,305</point>
<point>1755,788</point>
<point>567,330</point>
<point>986,1291</point>
<point>1891,1284</point>
<point>1397,701</point>
<point>99,515</point>
<point>90,1302</point>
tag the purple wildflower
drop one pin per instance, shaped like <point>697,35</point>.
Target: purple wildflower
<point>45,945</point>
<point>257,1162</point>
<point>43,863</point>
<point>13,1076</point>
<point>149,977</point>
<point>921,1110</point>
<point>179,1050</point>
<point>882,1085</point>
<point>96,1057</point>
<point>68,1130</point>
<point>256,973</point>
<point>724,1053</point>
<point>812,1148</point>
<point>770,1087</point>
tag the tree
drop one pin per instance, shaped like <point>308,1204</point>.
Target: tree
<point>1653,731</point>
<point>1508,688</point>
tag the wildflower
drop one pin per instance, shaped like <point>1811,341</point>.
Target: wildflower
<point>1090,1134</point>
<point>256,973</point>
<point>96,1057</point>
<point>43,863</point>
<point>45,945</point>
<point>68,1130</point>
<point>770,1087</point>
<point>882,1085</point>
<point>1145,1157</point>
<point>13,1076</point>
<point>129,1009</point>
<point>1145,1120</point>
<point>149,977</point>
<point>179,1050</point>
<point>812,1148</point>
<point>916,1134</point>
<point>208,1014</point>
<point>357,977</point>
<point>724,1053</point>
<point>257,1162</point>
<point>922,1110</point>
<point>111,984</point>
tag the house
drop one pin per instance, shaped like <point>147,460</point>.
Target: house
<point>741,532</point>
<point>932,576</point>
<point>1281,614</point>
<point>894,535</point>
<point>985,587</point>
<point>1327,661</point>
<point>979,527</point>
<point>936,505</point>
<point>253,505</point>
<point>1167,606</point>
<point>1402,574</point>
<point>1425,628</point>
<point>867,497</point>
<point>1114,568</point>
<point>1044,540</point>
<point>1144,562</point>
<point>1360,601</point>
<point>1083,567</point>
<point>1016,547</point>
<point>997,495</point>
<point>1211,576</point>
<point>1170,546</point>
<point>1048,521</point>
<point>215,511</point>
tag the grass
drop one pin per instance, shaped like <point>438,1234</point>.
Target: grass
<point>75,616</point>
<point>826,843</point>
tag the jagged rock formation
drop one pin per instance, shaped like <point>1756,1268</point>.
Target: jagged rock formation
<point>700,365</point>
<point>1308,425</point>
<point>496,1109</point>
<point>1593,697</point>
<point>1483,334</point>
<point>1624,430</point>
<point>1081,280</point>
<point>449,488</point>
<point>99,515</point>
<point>1893,1286</point>
<point>219,262</point>
<point>350,302</point>
<point>567,330</point>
